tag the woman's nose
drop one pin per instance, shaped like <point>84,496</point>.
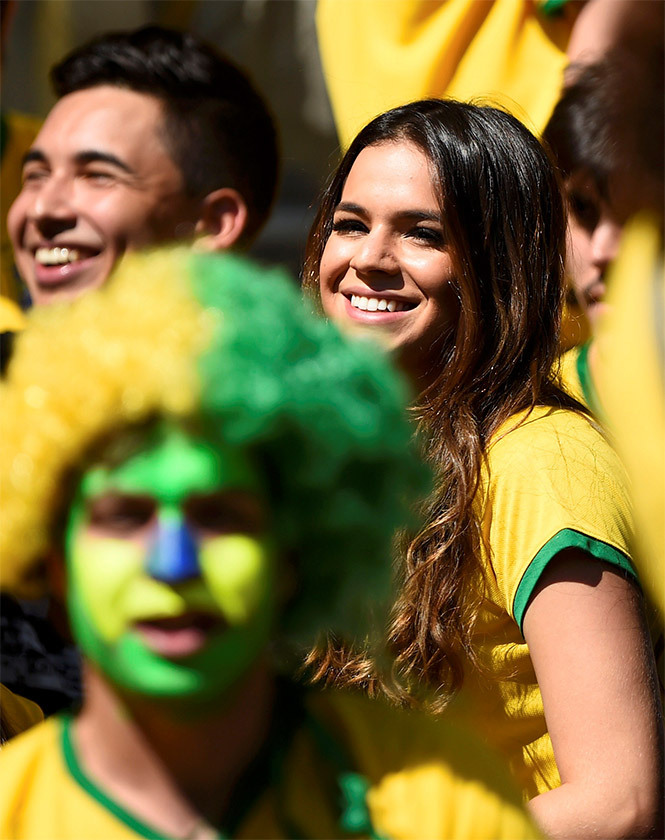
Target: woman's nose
<point>375,252</point>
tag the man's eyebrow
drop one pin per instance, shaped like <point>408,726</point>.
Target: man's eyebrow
<point>415,215</point>
<point>81,159</point>
<point>33,155</point>
<point>94,156</point>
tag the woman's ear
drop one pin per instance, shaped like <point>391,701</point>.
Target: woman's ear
<point>222,220</point>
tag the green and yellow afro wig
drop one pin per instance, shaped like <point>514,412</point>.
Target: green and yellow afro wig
<point>219,341</point>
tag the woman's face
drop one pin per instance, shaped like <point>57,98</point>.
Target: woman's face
<point>386,268</point>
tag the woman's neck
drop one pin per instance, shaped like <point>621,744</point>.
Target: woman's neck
<point>174,773</point>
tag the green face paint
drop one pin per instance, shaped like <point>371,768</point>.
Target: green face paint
<point>188,639</point>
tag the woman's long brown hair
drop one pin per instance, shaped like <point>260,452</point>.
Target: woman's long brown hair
<point>504,220</point>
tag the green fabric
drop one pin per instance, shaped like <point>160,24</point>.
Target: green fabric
<point>586,381</point>
<point>567,538</point>
<point>552,7</point>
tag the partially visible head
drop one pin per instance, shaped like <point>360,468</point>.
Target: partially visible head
<point>606,134</point>
<point>219,468</point>
<point>155,137</point>
<point>496,240</point>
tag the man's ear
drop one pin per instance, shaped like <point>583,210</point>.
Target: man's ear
<point>222,220</point>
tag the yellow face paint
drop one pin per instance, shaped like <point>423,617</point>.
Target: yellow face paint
<point>124,618</point>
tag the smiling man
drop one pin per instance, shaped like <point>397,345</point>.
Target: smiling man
<point>154,137</point>
<point>216,475</point>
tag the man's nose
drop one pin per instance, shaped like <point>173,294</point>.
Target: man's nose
<point>53,209</point>
<point>375,252</point>
<point>605,241</point>
<point>174,556</point>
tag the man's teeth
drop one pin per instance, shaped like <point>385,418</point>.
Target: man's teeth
<point>372,304</point>
<point>56,256</point>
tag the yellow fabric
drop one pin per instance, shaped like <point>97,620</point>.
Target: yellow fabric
<point>12,318</point>
<point>569,376</point>
<point>427,779</point>
<point>631,383</point>
<point>552,477</point>
<point>378,54</point>
<point>21,130</point>
<point>18,713</point>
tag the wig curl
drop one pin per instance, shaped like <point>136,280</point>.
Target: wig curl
<point>227,345</point>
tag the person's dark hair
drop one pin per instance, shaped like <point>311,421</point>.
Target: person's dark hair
<point>610,123</point>
<point>504,220</point>
<point>216,125</point>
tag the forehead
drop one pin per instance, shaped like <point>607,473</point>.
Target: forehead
<point>397,171</point>
<point>169,464</point>
<point>105,118</point>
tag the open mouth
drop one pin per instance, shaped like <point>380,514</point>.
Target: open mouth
<point>382,304</point>
<point>179,636</point>
<point>62,256</point>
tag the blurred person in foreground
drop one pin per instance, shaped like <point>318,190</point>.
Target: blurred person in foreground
<point>216,475</point>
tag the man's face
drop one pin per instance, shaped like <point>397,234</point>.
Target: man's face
<point>594,235</point>
<point>169,573</point>
<point>97,182</point>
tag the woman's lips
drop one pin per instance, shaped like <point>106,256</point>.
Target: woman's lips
<point>376,309</point>
<point>175,638</point>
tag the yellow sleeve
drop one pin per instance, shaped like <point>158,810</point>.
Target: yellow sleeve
<point>18,712</point>
<point>378,54</point>
<point>555,483</point>
<point>429,777</point>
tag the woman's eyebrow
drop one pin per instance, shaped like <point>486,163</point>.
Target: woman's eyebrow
<point>415,215</point>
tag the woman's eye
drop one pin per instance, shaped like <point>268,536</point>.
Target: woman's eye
<point>428,235</point>
<point>349,226</point>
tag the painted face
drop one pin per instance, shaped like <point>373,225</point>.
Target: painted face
<point>386,267</point>
<point>594,238</point>
<point>97,182</point>
<point>170,577</point>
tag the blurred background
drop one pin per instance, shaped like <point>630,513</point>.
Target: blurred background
<point>273,40</point>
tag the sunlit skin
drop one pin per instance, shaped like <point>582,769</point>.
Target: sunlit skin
<point>388,244</point>
<point>98,181</point>
<point>170,575</point>
<point>594,236</point>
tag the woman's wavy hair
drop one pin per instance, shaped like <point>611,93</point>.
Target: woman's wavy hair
<point>504,218</point>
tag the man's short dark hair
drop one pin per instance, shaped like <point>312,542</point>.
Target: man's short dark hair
<point>216,126</point>
<point>609,120</point>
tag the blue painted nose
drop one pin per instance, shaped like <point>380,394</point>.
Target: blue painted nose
<point>174,554</point>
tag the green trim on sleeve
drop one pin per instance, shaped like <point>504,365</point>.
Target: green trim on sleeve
<point>567,538</point>
<point>586,381</point>
<point>552,7</point>
<point>79,776</point>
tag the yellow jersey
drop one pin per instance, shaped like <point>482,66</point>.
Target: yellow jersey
<point>353,767</point>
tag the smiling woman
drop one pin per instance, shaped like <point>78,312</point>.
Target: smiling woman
<point>442,234</point>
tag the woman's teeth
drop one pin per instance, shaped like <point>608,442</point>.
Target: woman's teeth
<point>372,304</point>
<point>56,256</point>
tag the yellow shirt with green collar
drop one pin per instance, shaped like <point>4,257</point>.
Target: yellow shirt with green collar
<point>354,767</point>
<point>552,482</point>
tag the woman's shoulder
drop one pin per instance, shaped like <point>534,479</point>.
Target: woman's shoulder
<point>546,430</point>
<point>558,450</point>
